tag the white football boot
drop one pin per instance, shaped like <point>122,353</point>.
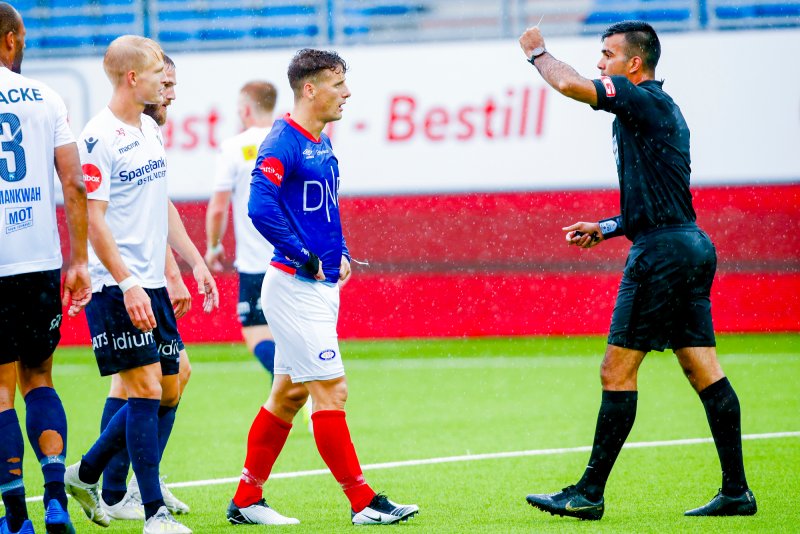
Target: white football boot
<point>86,495</point>
<point>257,514</point>
<point>163,522</point>
<point>174,505</point>
<point>382,511</point>
<point>128,509</point>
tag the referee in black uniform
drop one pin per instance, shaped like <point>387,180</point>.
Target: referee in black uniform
<point>664,297</point>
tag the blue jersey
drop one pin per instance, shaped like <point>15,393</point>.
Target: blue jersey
<point>294,199</point>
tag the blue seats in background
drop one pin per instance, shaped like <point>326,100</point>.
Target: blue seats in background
<point>86,26</point>
<point>282,32</point>
<point>655,11</point>
<point>785,9</point>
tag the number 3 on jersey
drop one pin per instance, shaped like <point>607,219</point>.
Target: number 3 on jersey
<point>12,155</point>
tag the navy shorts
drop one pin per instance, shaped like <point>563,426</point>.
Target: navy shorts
<point>30,316</point>
<point>249,306</point>
<point>118,345</point>
<point>664,298</point>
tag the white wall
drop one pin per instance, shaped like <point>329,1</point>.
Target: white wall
<point>739,92</point>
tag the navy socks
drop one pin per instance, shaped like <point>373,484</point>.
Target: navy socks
<point>11,486</point>
<point>46,425</point>
<point>115,475</point>
<point>166,420</point>
<point>265,352</point>
<point>143,447</point>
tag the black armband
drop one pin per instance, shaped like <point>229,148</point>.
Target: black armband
<point>611,227</point>
<point>312,265</point>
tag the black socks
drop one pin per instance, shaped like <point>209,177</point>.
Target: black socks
<point>724,418</point>
<point>614,423</point>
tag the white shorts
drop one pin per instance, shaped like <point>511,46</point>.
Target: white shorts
<point>302,316</point>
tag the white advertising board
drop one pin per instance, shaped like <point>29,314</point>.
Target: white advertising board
<point>475,116</point>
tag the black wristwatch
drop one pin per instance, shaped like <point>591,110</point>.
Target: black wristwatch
<point>538,51</point>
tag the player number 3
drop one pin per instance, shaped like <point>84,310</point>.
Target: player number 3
<point>12,155</point>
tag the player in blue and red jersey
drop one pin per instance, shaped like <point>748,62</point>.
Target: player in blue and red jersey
<point>294,203</point>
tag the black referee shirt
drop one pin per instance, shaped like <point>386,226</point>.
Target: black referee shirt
<point>651,146</point>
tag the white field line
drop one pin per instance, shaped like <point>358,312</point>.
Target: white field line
<point>473,458</point>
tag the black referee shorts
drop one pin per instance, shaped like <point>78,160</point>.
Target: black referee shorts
<point>30,316</point>
<point>664,298</point>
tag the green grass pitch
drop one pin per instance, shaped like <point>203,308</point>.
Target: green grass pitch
<point>421,399</point>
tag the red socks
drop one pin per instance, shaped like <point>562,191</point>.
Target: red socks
<point>266,439</point>
<point>336,448</point>
<point>267,436</point>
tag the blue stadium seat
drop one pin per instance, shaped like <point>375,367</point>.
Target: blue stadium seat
<point>189,14</point>
<point>117,18</point>
<point>386,10</point>
<point>220,34</point>
<point>287,10</point>
<point>22,5</point>
<point>355,30</point>
<point>102,41</point>
<point>174,36</point>
<point>33,23</point>
<point>284,31</point>
<point>68,21</point>
<point>225,13</point>
<point>662,15</point>
<point>734,12</point>
<point>610,11</point>
<point>64,41</point>
<point>116,2</point>
<point>785,9</point>
<point>68,3</point>
<point>609,17</point>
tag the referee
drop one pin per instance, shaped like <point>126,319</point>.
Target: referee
<point>664,296</point>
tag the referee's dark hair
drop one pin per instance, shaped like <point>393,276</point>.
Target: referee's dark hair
<point>641,39</point>
<point>307,62</point>
<point>10,19</point>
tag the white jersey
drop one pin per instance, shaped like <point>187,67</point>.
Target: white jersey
<point>235,162</point>
<point>127,167</point>
<point>33,123</point>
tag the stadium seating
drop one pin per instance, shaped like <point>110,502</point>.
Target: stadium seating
<point>219,24</point>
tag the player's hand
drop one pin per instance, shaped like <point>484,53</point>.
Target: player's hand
<point>77,289</point>
<point>314,261</point>
<point>214,257</point>
<point>137,302</point>
<point>344,271</point>
<point>583,234</point>
<point>179,295</point>
<point>530,39</point>
<point>206,286</point>
<point>320,276</point>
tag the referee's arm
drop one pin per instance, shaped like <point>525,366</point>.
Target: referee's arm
<point>558,74</point>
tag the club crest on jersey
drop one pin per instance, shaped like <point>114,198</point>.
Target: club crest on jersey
<point>92,177</point>
<point>327,355</point>
<point>272,168</point>
<point>18,218</point>
<point>611,91</point>
<point>90,142</point>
